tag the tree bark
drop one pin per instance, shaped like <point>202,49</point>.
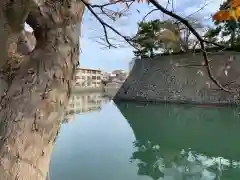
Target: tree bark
<point>35,88</point>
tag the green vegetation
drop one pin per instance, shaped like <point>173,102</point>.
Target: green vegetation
<point>154,37</point>
<point>227,31</point>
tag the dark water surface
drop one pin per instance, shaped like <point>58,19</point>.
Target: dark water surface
<point>144,142</point>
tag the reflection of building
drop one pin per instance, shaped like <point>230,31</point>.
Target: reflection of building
<point>88,77</point>
<point>82,103</point>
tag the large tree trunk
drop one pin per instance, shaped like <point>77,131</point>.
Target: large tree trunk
<point>35,88</point>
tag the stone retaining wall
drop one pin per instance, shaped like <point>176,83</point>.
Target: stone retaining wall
<point>182,79</point>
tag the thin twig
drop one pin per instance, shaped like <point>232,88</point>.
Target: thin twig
<point>109,4</point>
<point>201,8</point>
<point>190,65</point>
<point>150,12</point>
<point>109,12</point>
<point>104,25</point>
<point>127,8</point>
<point>166,7</point>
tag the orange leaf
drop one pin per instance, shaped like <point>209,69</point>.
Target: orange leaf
<point>237,11</point>
<point>235,3</point>
<point>222,15</point>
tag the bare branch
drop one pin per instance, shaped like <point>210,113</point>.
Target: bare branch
<point>190,65</point>
<point>200,39</point>
<point>214,43</point>
<point>126,8</point>
<point>150,12</point>
<point>112,14</point>
<point>201,8</point>
<point>100,40</point>
<point>104,25</point>
<point>110,3</point>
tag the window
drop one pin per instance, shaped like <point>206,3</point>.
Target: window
<point>98,78</point>
<point>71,113</point>
<point>94,77</point>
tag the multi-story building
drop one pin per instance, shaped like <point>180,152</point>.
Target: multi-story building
<point>86,77</point>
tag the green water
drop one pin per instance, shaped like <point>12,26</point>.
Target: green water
<point>144,142</point>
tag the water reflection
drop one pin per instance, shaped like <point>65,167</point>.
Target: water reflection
<point>147,142</point>
<point>156,162</point>
<point>81,103</point>
<point>185,142</point>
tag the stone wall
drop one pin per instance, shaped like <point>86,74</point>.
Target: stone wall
<point>182,79</point>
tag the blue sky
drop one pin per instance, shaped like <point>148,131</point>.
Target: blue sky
<point>93,56</point>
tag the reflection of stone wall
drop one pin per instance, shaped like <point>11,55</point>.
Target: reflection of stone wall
<point>82,103</point>
<point>184,142</point>
<point>168,79</point>
<point>211,131</point>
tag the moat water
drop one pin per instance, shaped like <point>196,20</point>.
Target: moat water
<point>105,141</point>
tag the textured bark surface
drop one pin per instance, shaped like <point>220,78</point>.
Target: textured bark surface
<point>35,84</point>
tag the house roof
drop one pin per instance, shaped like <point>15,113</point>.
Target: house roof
<point>79,69</point>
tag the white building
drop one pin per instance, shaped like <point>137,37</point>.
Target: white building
<point>86,77</point>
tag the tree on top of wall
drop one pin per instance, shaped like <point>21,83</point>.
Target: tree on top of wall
<point>154,37</point>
